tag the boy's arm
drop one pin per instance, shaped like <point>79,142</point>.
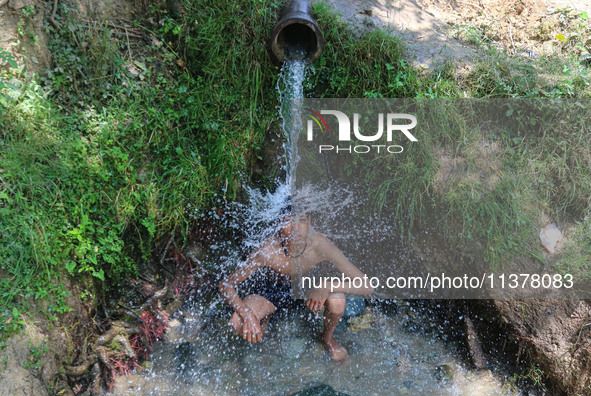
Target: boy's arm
<point>329,252</point>
<point>251,327</point>
<point>228,286</point>
<point>333,254</point>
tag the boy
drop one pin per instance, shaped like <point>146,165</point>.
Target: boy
<point>296,247</point>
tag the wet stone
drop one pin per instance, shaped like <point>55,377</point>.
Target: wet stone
<point>319,390</point>
<point>354,307</point>
<point>429,356</point>
<point>389,337</point>
<point>295,348</point>
<point>148,365</point>
<point>250,388</point>
<point>311,374</point>
<point>444,373</point>
<point>185,358</point>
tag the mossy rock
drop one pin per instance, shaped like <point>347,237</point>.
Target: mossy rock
<point>319,390</point>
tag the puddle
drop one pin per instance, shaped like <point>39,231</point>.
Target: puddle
<point>384,358</point>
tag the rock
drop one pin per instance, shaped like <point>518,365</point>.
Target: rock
<point>172,307</point>
<point>186,358</point>
<point>550,235</point>
<point>25,372</point>
<point>295,347</point>
<point>354,307</point>
<point>476,352</point>
<point>361,322</point>
<point>319,390</point>
<point>444,373</point>
<point>546,329</point>
<point>148,365</point>
<point>17,381</point>
<point>173,331</point>
<point>18,4</point>
<point>195,252</point>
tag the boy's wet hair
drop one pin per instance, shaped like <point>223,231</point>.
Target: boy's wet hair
<point>284,212</point>
<point>286,209</point>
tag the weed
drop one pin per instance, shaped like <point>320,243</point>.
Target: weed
<point>24,27</point>
<point>533,375</point>
<point>35,353</point>
<point>475,35</point>
<point>109,152</point>
<point>9,59</point>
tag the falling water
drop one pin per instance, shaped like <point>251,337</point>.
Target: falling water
<point>290,87</point>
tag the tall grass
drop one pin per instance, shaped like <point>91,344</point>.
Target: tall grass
<point>109,153</point>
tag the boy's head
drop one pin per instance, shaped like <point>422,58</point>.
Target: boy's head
<point>292,226</point>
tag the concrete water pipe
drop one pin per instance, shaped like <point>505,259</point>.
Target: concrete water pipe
<point>296,35</point>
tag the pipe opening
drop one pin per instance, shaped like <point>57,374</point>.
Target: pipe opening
<point>297,41</point>
<point>296,35</point>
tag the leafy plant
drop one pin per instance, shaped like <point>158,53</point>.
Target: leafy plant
<point>35,354</point>
<point>9,59</point>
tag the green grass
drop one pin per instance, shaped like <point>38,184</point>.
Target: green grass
<point>544,172</point>
<point>99,159</point>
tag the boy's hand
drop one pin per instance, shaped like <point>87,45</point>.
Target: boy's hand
<point>316,299</point>
<point>251,328</point>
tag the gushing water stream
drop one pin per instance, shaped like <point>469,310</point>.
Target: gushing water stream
<point>290,86</point>
<point>387,356</point>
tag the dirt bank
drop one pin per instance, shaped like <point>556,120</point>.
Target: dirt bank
<point>22,32</point>
<point>553,335</point>
<point>31,362</point>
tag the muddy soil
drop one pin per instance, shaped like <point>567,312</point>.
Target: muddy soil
<point>555,336</point>
<point>427,36</point>
<point>23,34</point>
<point>31,362</point>
<point>522,27</point>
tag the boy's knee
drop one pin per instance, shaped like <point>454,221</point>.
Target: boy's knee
<point>336,303</point>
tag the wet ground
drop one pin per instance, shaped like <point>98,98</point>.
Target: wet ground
<point>386,356</point>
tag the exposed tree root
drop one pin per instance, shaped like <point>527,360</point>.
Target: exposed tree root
<point>476,353</point>
<point>52,16</point>
<point>116,350</point>
<point>120,348</point>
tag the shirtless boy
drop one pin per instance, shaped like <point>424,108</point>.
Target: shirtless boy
<point>296,245</point>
